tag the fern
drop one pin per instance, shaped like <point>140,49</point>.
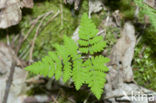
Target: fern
<point>87,34</point>
<point>145,9</point>
<point>67,61</point>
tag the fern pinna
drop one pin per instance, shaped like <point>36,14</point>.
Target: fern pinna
<point>77,61</point>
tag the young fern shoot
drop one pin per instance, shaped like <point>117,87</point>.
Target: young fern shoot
<point>67,61</point>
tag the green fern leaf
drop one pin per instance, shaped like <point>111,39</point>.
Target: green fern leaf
<point>89,42</point>
<point>96,78</point>
<point>58,65</point>
<point>95,40</point>
<point>145,9</point>
<point>96,82</point>
<point>78,75</point>
<point>97,47</point>
<point>87,28</point>
<point>67,61</point>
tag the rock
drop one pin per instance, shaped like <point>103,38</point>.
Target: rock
<point>122,53</point>
<point>27,3</point>
<point>95,6</point>
<point>117,17</point>
<point>75,36</point>
<point>18,83</point>
<point>10,11</point>
<point>73,2</point>
<point>120,86</point>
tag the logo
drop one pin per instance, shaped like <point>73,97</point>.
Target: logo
<point>138,96</point>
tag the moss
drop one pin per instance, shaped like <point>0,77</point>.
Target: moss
<point>99,17</point>
<point>144,63</point>
<point>54,31</point>
<point>144,67</point>
<point>112,35</point>
<point>37,89</point>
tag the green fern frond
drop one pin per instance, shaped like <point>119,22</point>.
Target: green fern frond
<point>145,9</point>
<point>46,66</point>
<point>84,50</point>
<point>87,28</point>
<point>96,75</point>
<point>97,47</point>
<point>89,42</point>
<point>95,40</point>
<point>66,65</point>
<point>58,66</point>
<point>96,82</point>
<point>99,63</point>
<point>67,62</point>
<point>79,74</point>
<point>83,43</point>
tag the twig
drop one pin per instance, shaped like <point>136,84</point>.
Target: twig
<point>26,55</point>
<point>20,41</point>
<point>8,40</point>
<point>52,18</point>
<point>35,80</point>
<point>138,40</point>
<point>54,99</point>
<point>61,6</point>
<point>35,37</point>
<point>85,101</point>
<point>100,32</point>
<point>76,5</point>
<point>15,37</point>
<point>30,30</point>
<point>35,21</point>
<point>24,51</point>
<point>9,82</point>
<point>142,51</point>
